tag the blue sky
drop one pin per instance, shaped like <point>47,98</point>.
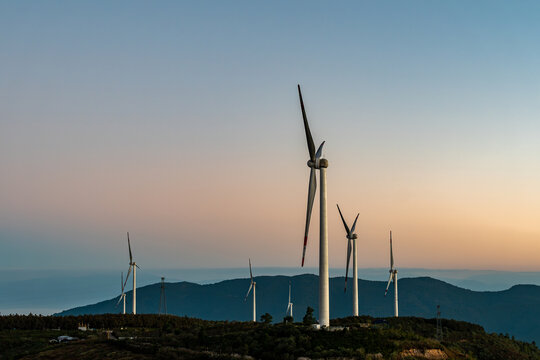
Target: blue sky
<point>179,121</point>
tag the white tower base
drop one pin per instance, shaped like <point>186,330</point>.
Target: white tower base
<point>254,303</point>
<point>396,313</point>
<point>134,288</point>
<point>355,281</point>
<point>324,296</point>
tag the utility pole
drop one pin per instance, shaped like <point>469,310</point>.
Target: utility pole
<point>439,334</point>
<point>162,299</point>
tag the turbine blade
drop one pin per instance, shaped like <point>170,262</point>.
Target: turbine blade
<point>354,224</point>
<point>391,252</point>
<point>318,154</point>
<point>389,281</point>
<point>250,273</point>
<point>249,290</point>
<point>342,219</point>
<point>311,145</point>
<point>119,299</point>
<point>311,197</point>
<point>129,246</point>
<point>122,281</point>
<point>127,277</point>
<point>289,292</point>
<point>349,248</point>
<point>138,266</point>
<point>288,307</point>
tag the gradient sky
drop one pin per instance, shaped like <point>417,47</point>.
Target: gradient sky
<point>180,122</point>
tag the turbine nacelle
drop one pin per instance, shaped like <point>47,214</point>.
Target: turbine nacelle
<point>318,163</point>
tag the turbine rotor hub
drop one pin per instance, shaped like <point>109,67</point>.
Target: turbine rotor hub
<point>318,163</point>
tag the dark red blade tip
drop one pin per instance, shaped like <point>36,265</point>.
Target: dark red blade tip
<point>304,251</point>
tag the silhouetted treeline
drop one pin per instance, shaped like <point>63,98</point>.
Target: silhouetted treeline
<point>172,337</point>
<point>104,321</point>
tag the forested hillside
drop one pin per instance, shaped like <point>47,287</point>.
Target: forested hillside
<point>514,311</point>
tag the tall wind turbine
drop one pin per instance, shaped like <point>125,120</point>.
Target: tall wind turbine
<point>252,285</point>
<point>289,312</point>
<point>123,294</point>
<point>351,238</point>
<point>393,275</point>
<point>316,162</point>
<point>132,266</point>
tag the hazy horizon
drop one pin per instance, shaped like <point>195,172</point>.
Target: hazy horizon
<point>60,290</point>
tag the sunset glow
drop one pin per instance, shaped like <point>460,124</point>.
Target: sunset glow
<point>182,126</point>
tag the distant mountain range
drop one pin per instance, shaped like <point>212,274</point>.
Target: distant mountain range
<point>514,311</point>
<point>65,289</point>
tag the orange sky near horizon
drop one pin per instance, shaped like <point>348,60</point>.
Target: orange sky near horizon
<point>188,211</point>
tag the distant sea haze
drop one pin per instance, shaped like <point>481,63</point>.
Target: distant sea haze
<point>51,291</point>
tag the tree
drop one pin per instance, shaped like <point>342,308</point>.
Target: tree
<point>288,319</point>
<point>266,318</point>
<point>309,319</point>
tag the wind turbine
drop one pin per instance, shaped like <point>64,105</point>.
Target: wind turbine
<point>316,162</point>
<point>393,275</point>
<point>289,312</point>
<point>134,266</point>
<point>351,237</point>
<point>252,285</point>
<point>123,295</point>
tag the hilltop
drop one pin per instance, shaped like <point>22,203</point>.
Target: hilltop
<point>513,311</point>
<point>172,337</point>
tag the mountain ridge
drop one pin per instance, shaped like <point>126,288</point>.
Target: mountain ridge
<point>510,311</point>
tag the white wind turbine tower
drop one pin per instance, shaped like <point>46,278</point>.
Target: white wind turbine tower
<point>123,294</point>
<point>252,285</point>
<point>134,266</point>
<point>289,311</point>
<point>351,237</point>
<point>316,162</point>
<point>393,275</point>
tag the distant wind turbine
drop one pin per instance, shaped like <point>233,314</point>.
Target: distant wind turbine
<point>252,285</point>
<point>289,311</point>
<point>316,162</point>
<point>123,294</point>
<point>393,275</point>
<point>132,266</point>
<point>351,238</point>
